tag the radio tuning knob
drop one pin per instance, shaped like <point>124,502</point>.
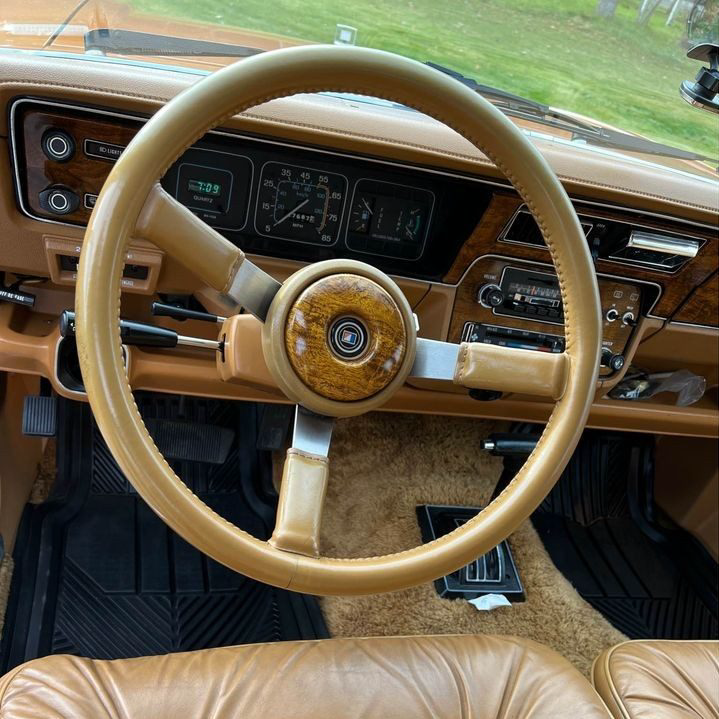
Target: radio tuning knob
<point>490,296</point>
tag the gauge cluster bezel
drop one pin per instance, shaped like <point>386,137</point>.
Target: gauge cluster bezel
<point>458,201</point>
<point>284,237</point>
<point>351,236</point>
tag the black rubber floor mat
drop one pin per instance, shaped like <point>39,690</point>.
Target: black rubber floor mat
<point>650,579</point>
<point>98,574</point>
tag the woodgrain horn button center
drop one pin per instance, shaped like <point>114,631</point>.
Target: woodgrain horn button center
<point>345,337</point>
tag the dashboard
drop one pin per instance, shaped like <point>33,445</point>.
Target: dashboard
<point>462,246</point>
<point>308,205</point>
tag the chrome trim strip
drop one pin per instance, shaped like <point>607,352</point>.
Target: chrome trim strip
<point>661,243</point>
<point>690,324</point>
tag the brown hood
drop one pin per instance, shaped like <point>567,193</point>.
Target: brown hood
<point>30,24</point>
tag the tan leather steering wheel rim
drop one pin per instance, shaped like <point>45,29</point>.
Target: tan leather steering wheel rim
<point>127,197</point>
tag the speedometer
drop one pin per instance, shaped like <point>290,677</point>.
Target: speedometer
<point>299,203</point>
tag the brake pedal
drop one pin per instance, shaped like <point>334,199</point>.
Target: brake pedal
<point>39,416</point>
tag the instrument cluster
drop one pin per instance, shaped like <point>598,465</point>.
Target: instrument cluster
<point>307,204</point>
<point>267,196</point>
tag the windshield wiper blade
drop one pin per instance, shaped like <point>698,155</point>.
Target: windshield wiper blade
<point>518,106</point>
<point>608,137</point>
<point>130,42</point>
<point>516,102</point>
<point>61,27</point>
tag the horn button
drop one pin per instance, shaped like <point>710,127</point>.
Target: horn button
<point>345,337</point>
<point>348,337</point>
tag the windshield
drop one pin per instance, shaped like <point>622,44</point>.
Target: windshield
<point>616,63</point>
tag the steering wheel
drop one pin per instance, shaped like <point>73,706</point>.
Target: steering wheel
<point>338,336</point>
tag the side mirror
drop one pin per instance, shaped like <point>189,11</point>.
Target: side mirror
<point>703,91</point>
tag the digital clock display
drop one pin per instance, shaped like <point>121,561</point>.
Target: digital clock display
<point>207,190</point>
<point>203,187</point>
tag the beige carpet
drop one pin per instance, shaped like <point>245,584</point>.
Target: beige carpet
<point>382,466</point>
<point>46,473</point>
<point>6,567</point>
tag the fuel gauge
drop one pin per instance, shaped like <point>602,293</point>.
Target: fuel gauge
<point>362,213</point>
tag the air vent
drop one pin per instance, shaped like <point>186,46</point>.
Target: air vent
<point>661,252</point>
<point>523,229</point>
<point>614,241</point>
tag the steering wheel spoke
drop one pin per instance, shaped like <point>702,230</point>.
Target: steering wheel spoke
<point>178,231</point>
<point>483,366</point>
<point>304,483</point>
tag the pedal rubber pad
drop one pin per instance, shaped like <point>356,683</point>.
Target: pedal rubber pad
<point>39,416</point>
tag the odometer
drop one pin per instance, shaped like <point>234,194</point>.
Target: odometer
<point>299,203</point>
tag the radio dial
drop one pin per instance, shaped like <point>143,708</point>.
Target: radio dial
<point>490,296</point>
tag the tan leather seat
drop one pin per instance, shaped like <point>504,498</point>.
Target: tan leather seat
<point>658,679</point>
<point>447,676</point>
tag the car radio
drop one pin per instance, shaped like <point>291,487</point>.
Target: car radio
<point>512,337</point>
<point>526,294</point>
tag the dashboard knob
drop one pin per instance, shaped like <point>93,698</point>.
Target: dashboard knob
<point>58,145</point>
<point>490,296</point>
<point>610,360</point>
<point>612,315</point>
<point>59,200</point>
<point>629,319</point>
<point>616,362</point>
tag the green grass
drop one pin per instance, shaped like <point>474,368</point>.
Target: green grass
<point>556,51</point>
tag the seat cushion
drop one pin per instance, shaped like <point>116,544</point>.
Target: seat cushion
<point>658,679</point>
<point>446,676</point>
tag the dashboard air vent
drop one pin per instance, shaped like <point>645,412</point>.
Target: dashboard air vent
<point>615,241</point>
<point>523,230</point>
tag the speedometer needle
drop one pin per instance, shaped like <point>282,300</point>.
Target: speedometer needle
<point>291,212</point>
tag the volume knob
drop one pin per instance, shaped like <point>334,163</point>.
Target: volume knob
<point>490,296</point>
